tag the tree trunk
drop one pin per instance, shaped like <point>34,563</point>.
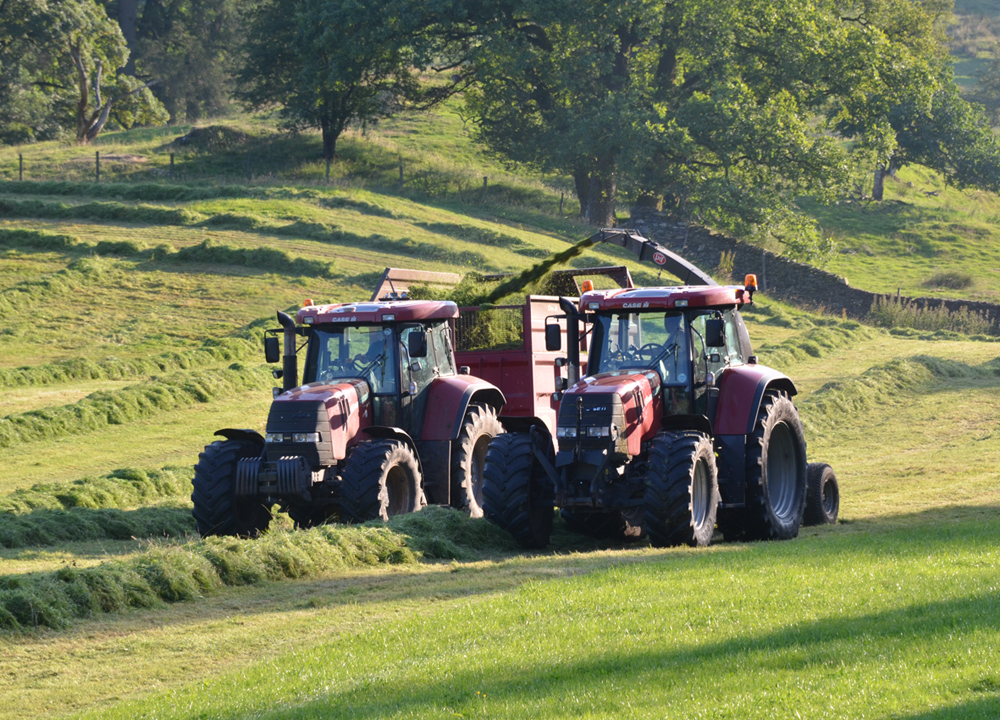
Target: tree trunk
<point>330,136</point>
<point>128,16</point>
<point>581,179</point>
<point>878,186</point>
<point>601,200</point>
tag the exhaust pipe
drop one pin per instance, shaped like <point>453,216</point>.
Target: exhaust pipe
<point>572,340</point>
<point>289,362</point>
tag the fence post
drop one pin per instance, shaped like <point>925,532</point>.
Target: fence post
<point>20,167</point>
<point>97,164</point>
<point>401,174</point>
<point>171,166</point>
<point>328,171</point>
<point>249,172</point>
<point>562,195</point>
<point>485,180</point>
<point>763,270</point>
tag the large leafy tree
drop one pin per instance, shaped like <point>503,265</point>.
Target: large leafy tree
<point>59,65</point>
<point>718,105</point>
<point>327,63</point>
<point>191,48</point>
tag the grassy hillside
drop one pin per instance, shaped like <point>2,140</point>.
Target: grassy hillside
<point>132,317</point>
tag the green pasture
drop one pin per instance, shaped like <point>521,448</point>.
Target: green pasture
<point>131,318</point>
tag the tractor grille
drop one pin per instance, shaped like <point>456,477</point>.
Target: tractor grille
<point>300,417</point>
<point>591,410</point>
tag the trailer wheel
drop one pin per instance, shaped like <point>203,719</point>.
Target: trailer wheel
<point>775,471</point>
<point>601,525</point>
<point>516,495</point>
<point>468,458</point>
<point>822,495</point>
<point>682,490</point>
<point>217,510</point>
<point>380,479</point>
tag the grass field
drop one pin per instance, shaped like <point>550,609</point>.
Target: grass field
<point>132,316</point>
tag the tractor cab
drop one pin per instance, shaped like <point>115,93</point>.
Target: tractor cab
<point>686,336</point>
<point>397,348</point>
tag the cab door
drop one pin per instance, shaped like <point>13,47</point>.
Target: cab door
<point>416,374</point>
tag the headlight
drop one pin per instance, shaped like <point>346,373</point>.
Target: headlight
<point>312,437</point>
<point>567,432</point>
<point>596,432</point>
<point>274,437</point>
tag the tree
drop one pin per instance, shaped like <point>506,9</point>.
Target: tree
<point>191,48</point>
<point>327,64</point>
<point>714,105</point>
<point>60,62</point>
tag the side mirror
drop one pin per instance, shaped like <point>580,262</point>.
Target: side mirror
<point>272,350</point>
<point>715,335</point>
<point>416,344</point>
<point>553,337</point>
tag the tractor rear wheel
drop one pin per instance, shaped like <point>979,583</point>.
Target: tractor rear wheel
<point>682,490</point>
<point>775,471</point>
<point>516,494</point>
<point>380,479</point>
<point>468,458</point>
<point>217,510</point>
<point>822,495</point>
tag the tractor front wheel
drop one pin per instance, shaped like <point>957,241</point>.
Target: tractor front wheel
<point>682,490</point>
<point>775,471</point>
<point>516,493</point>
<point>468,458</point>
<point>381,479</point>
<point>822,495</point>
<point>217,510</point>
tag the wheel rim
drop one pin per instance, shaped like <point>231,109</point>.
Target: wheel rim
<point>397,485</point>
<point>699,494</point>
<point>829,498</point>
<point>782,471</point>
<point>478,464</point>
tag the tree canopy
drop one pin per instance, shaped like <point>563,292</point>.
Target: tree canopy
<point>58,67</point>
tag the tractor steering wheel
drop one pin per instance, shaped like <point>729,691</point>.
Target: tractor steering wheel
<point>651,349</point>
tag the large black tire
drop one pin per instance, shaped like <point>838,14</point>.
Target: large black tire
<point>601,525</point>
<point>217,510</point>
<point>822,495</point>
<point>775,471</point>
<point>682,490</point>
<point>516,494</point>
<point>468,458</point>
<point>381,478</point>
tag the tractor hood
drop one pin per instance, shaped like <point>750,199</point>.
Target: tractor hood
<point>627,401</point>
<point>317,420</point>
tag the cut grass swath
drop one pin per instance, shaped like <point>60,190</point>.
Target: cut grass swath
<point>122,488</point>
<point>51,527</point>
<point>175,573</point>
<point>118,407</point>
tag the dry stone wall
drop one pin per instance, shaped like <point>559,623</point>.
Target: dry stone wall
<point>779,276</point>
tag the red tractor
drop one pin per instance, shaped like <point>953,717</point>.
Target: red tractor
<point>672,428</point>
<point>383,422</point>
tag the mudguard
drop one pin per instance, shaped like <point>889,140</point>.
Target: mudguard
<point>238,434</point>
<point>741,389</point>
<point>449,400</point>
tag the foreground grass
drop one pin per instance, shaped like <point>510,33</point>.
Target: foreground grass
<point>837,626</point>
